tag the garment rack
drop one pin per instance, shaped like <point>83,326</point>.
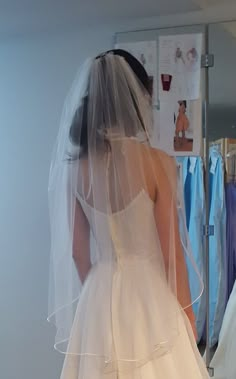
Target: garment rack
<point>207,63</point>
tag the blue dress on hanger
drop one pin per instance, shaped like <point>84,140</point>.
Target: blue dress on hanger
<point>217,245</point>
<point>194,197</point>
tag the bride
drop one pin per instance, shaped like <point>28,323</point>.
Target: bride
<point>119,292</point>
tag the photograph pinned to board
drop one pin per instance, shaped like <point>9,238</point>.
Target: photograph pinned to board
<point>146,53</point>
<point>180,66</point>
<point>181,127</point>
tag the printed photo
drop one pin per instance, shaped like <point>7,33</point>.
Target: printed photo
<point>181,127</point>
<point>183,136</point>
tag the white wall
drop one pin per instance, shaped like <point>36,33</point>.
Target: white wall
<point>35,75</point>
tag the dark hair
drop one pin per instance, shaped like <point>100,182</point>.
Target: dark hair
<point>136,67</point>
<point>79,126</point>
<point>184,102</point>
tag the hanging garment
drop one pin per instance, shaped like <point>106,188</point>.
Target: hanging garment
<point>230,191</point>
<point>194,196</point>
<point>217,246</point>
<point>223,362</point>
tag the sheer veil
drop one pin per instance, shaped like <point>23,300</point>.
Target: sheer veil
<point>101,166</point>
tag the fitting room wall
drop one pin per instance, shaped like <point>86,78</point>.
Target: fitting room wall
<point>35,74</point>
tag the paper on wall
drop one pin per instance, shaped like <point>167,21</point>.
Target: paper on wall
<point>146,53</point>
<point>180,67</point>
<point>181,127</point>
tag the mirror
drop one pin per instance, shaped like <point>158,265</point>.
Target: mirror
<point>222,87</point>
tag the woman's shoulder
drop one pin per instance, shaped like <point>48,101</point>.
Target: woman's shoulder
<point>161,161</point>
<point>164,163</point>
<point>159,155</point>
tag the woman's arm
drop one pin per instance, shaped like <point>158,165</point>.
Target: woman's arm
<point>168,230</point>
<point>81,243</point>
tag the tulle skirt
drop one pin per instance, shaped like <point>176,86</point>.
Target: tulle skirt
<point>128,325</point>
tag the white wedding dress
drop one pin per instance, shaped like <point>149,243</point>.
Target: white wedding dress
<point>122,307</point>
<point>224,359</point>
